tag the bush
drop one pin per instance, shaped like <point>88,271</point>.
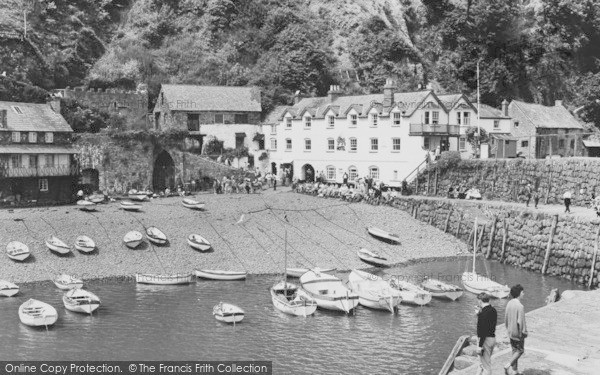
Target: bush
<point>449,159</point>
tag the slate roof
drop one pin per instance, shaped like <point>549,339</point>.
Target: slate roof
<point>36,149</point>
<point>449,100</point>
<point>33,117</point>
<point>487,111</point>
<point>556,117</point>
<point>274,117</point>
<point>212,98</point>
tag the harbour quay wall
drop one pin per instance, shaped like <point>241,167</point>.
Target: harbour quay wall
<point>506,179</point>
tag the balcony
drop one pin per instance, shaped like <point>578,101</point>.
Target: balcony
<point>434,129</point>
<point>62,170</point>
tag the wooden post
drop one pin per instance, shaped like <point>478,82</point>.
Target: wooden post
<point>549,247</point>
<point>447,221</point>
<point>416,210</point>
<point>504,238</point>
<point>435,187</point>
<point>594,258</point>
<point>549,182</point>
<point>492,233</point>
<point>417,184</point>
<point>428,180</point>
<point>458,226</point>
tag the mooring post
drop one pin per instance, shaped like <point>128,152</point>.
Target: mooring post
<point>428,179</point>
<point>492,233</point>
<point>481,237</point>
<point>458,226</point>
<point>416,210</point>
<point>435,187</point>
<point>549,247</point>
<point>594,258</point>
<point>504,237</point>
<point>447,221</point>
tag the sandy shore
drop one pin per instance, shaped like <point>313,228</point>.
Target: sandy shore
<point>320,232</point>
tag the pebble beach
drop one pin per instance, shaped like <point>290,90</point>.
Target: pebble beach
<point>247,231</point>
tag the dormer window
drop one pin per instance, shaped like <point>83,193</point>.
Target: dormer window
<point>288,122</point>
<point>374,119</point>
<point>32,137</point>
<point>331,121</point>
<point>307,121</point>
<point>397,118</point>
<point>353,120</point>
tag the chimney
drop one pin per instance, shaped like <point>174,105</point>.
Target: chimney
<point>558,103</point>
<point>297,97</point>
<point>505,108</point>
<point>333,93</point>
<point>388,93</point>
<point>3,121</point>
<point>54,103</point>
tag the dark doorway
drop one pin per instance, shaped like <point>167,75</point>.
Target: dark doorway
<point>274,168</point>
<point>308,173</point>
<point>164,172</point>
<point>90,179</point>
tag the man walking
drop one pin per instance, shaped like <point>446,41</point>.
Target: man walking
<point>516,328</point>
<point>528,194</point>
<point>567,198</point>
<point>486,331</point>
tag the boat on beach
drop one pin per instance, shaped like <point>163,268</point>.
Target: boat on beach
<point>442,290</point>
<point>220,275</point>
<point>156,236</point>
<point>84,244</point>
<point>372,258</point>
<point>288,298</point>
<point>138,197</point>
<point>17,251</point>
<point>81,301</point>
<point>132,239</point>
<point>228,313</point>
<point>198,242</point>
<point>66,282</point>
<point>86,205</point>
<point>58,246</point>
<point>373,291</point>
<point>411,293</point>
<point>297,272</point>
<point>192,204</point>
<point>130,206</point>
<point>380,234</point>
<point>96,198</point>
<point>36,313</point>
<point>157,279</point>
<point>329,291</point>
<point>8,289</point>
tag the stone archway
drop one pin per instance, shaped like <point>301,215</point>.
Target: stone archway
<point>163,175</point>
<point>307,173</point>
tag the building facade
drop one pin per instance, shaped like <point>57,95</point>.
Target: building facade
<point>36,157</point>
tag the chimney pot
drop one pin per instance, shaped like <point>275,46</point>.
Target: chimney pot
<point>558,103</point>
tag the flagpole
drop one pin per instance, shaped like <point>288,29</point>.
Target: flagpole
<point>478,116</point>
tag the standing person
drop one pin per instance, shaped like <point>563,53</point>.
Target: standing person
<point>528,194</point>
<point>274,184</point>
<point>516,327</point>
<point>536,198</point>
<point>487,318</point>
<point>345,178</point>
<point>567,198</point>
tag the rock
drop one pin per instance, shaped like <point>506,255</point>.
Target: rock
<point>462,362</point>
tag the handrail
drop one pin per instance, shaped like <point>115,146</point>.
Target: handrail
<point>408,178</point>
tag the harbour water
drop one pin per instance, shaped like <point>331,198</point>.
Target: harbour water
<point>144,322</point>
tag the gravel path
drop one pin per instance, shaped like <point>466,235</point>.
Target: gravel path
<point>320,232</point>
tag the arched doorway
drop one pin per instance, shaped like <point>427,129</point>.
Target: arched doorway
<point>90,179</point>
<point>308,173</point>
<point>164,172</point>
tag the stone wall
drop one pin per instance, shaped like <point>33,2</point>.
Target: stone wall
<point>505,179</point>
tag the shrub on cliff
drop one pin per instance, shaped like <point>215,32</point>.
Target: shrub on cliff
<point>448,160</point>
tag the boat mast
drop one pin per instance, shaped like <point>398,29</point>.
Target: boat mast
<point>474,243</point>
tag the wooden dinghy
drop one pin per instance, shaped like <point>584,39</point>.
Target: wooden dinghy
<point>17,251</point>
<point>328,291</point>
<point>139,197</point>
<point>155,279</point>
<point>374,292</point>
<point>440,289</point>
<point>130,206</point>
<point>66,282</point>
<point>36,313</point>
<point>81,301</point>
<point>132,239</point>
<point>372,258</point>
<point>411,293</point>
<point>86,205</point>
<point>8,289</point>
<point>58,246</point>
<point>297,272</point>
<point>220,275</point>
<point>380,234</point>
<point>84,244</point>
<point>156,236</point>
<point>192,204</point>
<point>228,313</point>
<point>287,298</point>
<point>96,198</point>
<point>198,242</point>
<point>476,283</point>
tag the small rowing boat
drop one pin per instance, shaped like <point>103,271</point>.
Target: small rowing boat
<point>372,258</point>
<point>86,205</point>
<point>132,239</point>
<point>411,293</point>
<point>297,272</point>
<point>192,204</point>
<point>85,244</point>
<point>440,289</point>
<point>37,313</point>
<point>8,289</point>
<point>81,301</point>
<point>228,313</point>
<point>17,251</point>
<point>476,283</point>
<point>66,282</point>
<point>374,292</point>
<point>139,197</point>
<point>149,278</point>
<point>58,246</point>
<point>96,198</point>
<point>382,235</point>
<point>130,206</point>
<point>198,242</point>
<point>328,291</point>
<point>220,275</point>
<point>156,236</point>
<point>287,298</point>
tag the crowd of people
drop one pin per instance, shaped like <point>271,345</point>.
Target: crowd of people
<point>367,189</point>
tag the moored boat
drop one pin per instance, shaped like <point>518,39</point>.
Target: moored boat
<point>84,244</point>
<point>17,251</point>
<point>372,258</point>
<point>373,291</point>
<point>58,246</point>
<point>383,235</point>
<point>157,279</point>
<point>475,283</point>
<point>8,289</point>
<point>130,206</point>
<point>289,299</point>
<point>138,197</point>
<point>81,301</point>
<point>37,313</point>
<point>220,275</point>
<point>228,313</point>
<point>198,242</point>
<point>132,239</point>
<point>192,204</point>
<point>328,291</point>
<point>440,289</point>
<point>65,282</point>
<point>156,236</point>
<point>96,198</point>
<point>411,293</point>
<point>297,272</point>
<point>86,205</point>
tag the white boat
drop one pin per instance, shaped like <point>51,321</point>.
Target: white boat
<point>156,236</point>
<point>411,293</point>
<point>84,244</point>
<point>383,235</point>
<point>228,313</point>
<point>139,197</point>
<point>132,239</point>
<point>440,289</point>
<point>175,279</point>
<point>192,204</point>
<point>17,251</point>
<point>297,272</point>
<point>289,299</point>
<point>373,291</point>
<point>96,198</point>
<point>198,242</point>
<point>56,245</point>
<point>328,291</point>
<point>8,289</point>
<point>81,301</point>
<point>86,205</point>
<point>372,258</point>
<point>130,206</point>
<point>65,282</point>
<point>37,313</point>
<point>220,275</point>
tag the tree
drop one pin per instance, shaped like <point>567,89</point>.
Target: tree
<point>476,136</point>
